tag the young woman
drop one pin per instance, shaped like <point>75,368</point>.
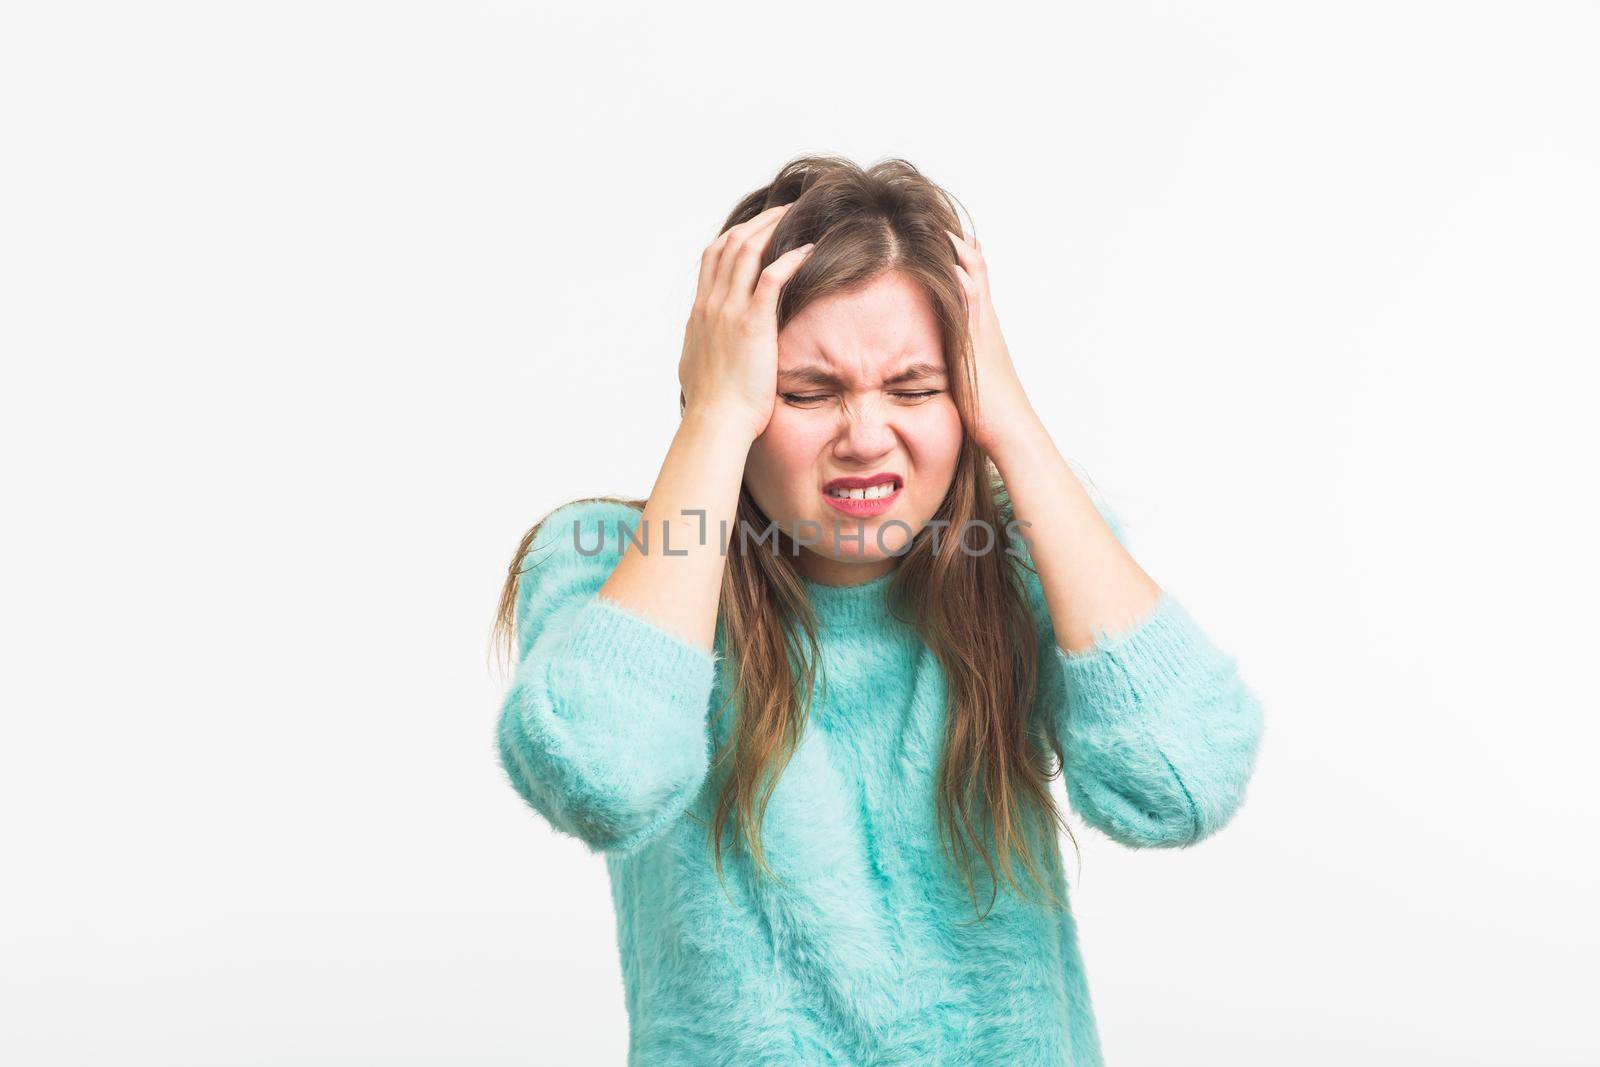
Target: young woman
<point>856,697</point>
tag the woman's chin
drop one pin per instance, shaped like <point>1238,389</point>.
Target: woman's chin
<point>851,553</point>
<point>848,540</point>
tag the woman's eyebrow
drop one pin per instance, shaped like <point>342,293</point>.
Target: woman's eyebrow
<point>817,374</point>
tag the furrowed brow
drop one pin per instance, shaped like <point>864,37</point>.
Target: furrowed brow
<point>816,374</point>
<point>916,372</point>
<point>811,374</point>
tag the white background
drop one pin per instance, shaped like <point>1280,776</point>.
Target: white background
<point>308,311</point>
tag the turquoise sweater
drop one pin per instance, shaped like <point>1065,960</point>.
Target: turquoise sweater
<point>860,956</point>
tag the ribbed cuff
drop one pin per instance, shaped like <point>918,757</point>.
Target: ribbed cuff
<point>635,654</point>
<point>1164,651</point>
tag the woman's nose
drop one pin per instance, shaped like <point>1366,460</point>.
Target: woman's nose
<point>866,432</point>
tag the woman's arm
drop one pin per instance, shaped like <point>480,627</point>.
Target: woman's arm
<point>1090,580</point>
<point>603,730</point>
<point>1158,731</point>
<point>677,582</point>
<point>729,374</point>
<point>1091,583</point>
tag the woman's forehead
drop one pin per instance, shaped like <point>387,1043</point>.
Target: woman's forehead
<point>875,332</point>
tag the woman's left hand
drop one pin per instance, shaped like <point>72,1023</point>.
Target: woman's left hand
<point>1002,404</point>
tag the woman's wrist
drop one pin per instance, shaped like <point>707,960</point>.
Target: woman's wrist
<point>728,426</point>
<point>1022,438</point>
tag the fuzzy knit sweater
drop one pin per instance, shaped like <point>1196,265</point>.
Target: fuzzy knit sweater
<point>868,951</point>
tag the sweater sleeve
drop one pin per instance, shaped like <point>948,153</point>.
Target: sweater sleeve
<point>1158,731</point>
<point>604,730</point>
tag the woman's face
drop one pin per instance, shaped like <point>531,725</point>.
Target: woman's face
<point>863,392</point>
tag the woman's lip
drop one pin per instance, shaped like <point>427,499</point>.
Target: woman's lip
<point>861,509</point>
<point>854,482</point>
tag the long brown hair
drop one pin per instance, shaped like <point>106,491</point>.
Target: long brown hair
<point>970,609</point>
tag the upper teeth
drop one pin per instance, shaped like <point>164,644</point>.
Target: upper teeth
<point>880,490</point>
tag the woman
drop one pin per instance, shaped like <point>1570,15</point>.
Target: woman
<point>858,695</point>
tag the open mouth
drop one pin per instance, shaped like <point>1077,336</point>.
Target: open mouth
<point>872,492</point>
<point>862,497</point>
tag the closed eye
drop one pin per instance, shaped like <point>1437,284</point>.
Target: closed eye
<point>806,399</point>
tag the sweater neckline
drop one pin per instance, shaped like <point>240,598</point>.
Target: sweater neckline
<point>838,606</point>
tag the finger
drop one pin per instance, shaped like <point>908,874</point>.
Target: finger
<point>970,258</point>
<point>733,241</point>
<point>759,217</point>
<point>959,244</point>
<point>974,298</point>
<point>770,285</point>
<point>970,286</point>
<point>712,258</point>
<point>708,270</point>
<point>736,273</point>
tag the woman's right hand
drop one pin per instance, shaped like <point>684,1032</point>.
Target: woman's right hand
<point>729,368</point>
